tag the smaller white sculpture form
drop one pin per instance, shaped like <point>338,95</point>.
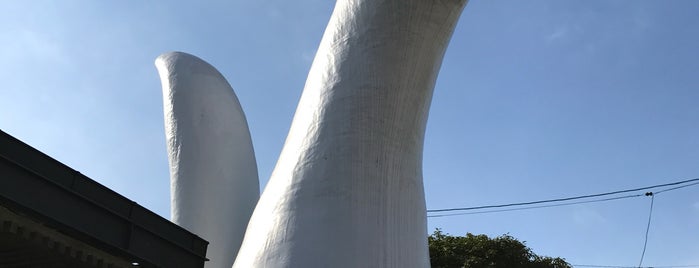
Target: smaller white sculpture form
<point>213,173</point>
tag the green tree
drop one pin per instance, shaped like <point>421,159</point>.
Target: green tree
<point>481,251</point>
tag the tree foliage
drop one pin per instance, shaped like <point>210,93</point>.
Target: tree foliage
<point>481,251</point>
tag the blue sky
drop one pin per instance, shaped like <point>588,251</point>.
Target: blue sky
<point>535,100</point>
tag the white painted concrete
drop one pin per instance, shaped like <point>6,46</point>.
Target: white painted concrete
<point>347,190</point>
<point>213,172</point>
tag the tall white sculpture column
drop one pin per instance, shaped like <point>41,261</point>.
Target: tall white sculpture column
<point>213,172</point>
<point>347,190</point>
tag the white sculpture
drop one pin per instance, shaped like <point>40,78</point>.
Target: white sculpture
<point>347,190</point>
<point>213,172</point>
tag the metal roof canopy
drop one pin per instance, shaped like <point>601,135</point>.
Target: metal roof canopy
<point>35,185</point>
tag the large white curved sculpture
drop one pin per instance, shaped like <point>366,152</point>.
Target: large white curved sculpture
<point>213,172</point>
<point>347,190</point>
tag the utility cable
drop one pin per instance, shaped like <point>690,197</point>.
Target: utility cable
<point>650,213</point>
<point>535,207</point>
<point>675,188</point>
<point>571,198</point>
<point>619,266</point>
<point>602,266</point>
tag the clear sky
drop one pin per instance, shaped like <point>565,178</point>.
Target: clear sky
<point>535,100</point>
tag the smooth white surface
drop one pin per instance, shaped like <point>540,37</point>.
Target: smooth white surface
<point>347,190</point>
<point>213,172</point>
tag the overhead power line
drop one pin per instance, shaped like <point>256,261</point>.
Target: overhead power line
<point>535,207</point>
<point>602,266</point>
<point>618,266</point>
<point>675,188</point>
<point>645,240</point>
<point>696,181</point>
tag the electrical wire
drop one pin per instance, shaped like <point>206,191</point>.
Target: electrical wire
<point>535,207</point>
<point>645,241</point>
<point>675,188</point>
<point>572,198</point>
<point>602,266</point>
<point>619,266</point>
<point>674,266</point>
<point>650,213</point>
